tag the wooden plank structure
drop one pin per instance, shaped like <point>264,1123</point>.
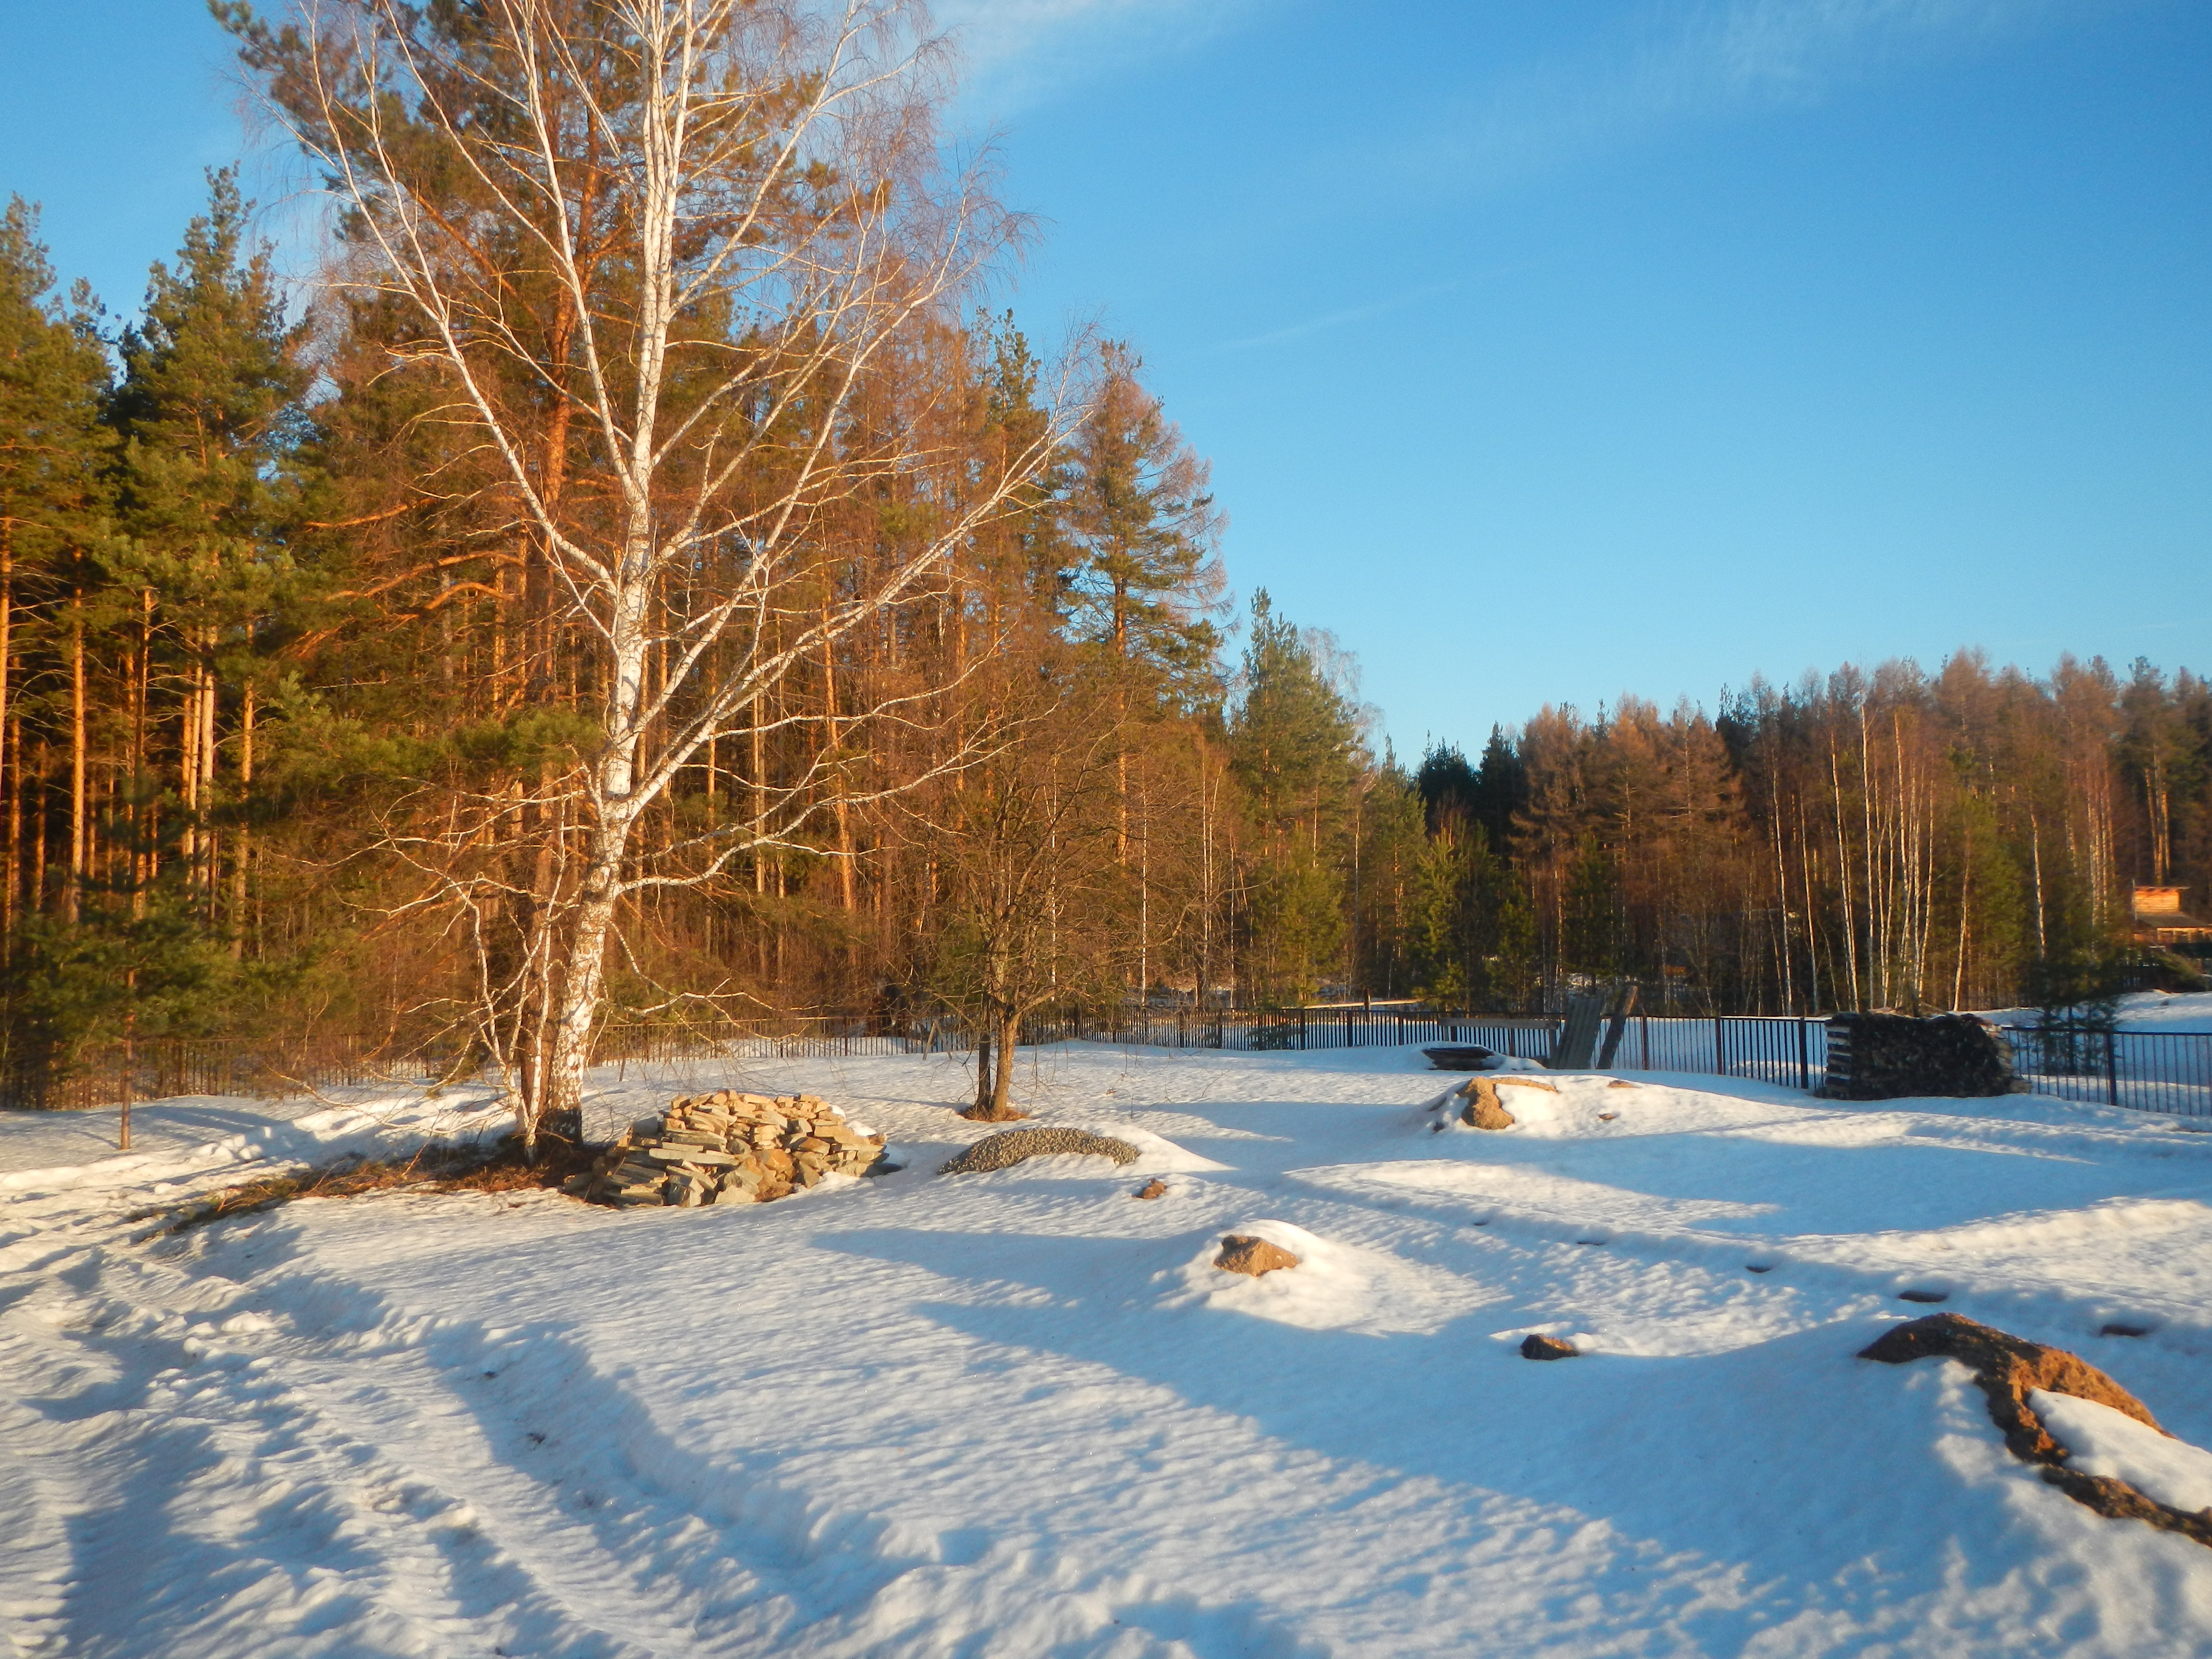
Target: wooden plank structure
<point>1577,1048</point>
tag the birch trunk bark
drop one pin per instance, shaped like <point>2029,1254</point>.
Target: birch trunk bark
<point>752,194</point>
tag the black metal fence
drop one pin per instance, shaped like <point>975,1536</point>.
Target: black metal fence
<point>1782,1049</point>
<point>1774,1049</point>
<point>1243,1031</point>
<point>2165,1072</point>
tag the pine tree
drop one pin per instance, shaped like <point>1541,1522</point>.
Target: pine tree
<point>210,413</point>
<point>1440,946</point>
<point>1295,744</point>
<point>1146,527</point>
<point>1448,785</point>
<point>54,449</point>
<point>1501,789</point>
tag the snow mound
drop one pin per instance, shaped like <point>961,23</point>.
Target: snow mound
<point>1335,1286</point>
<point>1569,1104</point>
<point>2111,1443</point>
<point>377,1127</point>
<point>1009,1147</point>
<point>1154,1154</point>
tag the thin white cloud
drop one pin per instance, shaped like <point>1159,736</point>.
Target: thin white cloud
<point>1677,66</point>
<point>1336,318</point>
<point>1017,53</point>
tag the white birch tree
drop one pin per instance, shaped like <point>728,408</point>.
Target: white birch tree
<point>658,249</point>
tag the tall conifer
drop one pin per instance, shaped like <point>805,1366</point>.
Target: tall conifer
<point>209,412</point>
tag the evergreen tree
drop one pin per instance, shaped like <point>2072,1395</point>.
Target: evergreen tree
<point>210,417</point>
<point>1295,744</point>
<point>1296,741</point>
<point>1441,945</point>
<point>54,449</point>
<point>1501,789</point>
<point>53,443</point>
<point>1591,936</point>
<point>1449,789</point>
<point>1389,842</point>
<point>1146,527</point>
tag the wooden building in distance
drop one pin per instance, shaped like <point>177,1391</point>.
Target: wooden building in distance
<point>2159,919</point>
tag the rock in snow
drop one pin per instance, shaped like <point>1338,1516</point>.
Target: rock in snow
<point>2027,1384</point>
<point>1483,1111</point>
<point>730,1147</point>
<point>1242,1253</point>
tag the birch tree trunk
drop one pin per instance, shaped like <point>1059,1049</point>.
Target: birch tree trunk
<point>736,217</point>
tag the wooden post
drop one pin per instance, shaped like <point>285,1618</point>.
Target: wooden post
<point>129,1025</point>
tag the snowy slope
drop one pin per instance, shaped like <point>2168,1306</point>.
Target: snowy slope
<point>2139,1011</point>
<point>1017,1414</point>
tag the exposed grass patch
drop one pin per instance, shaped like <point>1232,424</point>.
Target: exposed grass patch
<point>499,1167</point>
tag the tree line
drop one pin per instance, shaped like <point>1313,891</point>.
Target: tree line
<point>1968,839</point>
<point>647,584</point>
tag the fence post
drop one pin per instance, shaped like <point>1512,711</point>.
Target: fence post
<point>1719,1047</point>
<point>123,1141</point>
<point>1804,1058</point>
<point>1301,1030</point>
<point>2113,1068</point>
<point>1646,1035</point>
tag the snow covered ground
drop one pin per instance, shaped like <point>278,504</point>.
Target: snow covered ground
<point>2160,1011</point>
<point>1017,1414</point>
<point>2140,1011</point>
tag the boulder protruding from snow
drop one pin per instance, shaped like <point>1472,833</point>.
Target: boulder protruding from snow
<point>730,1147</point>
<point>1241,1253</point>
<point>2009,1369</point>
<point>1534,1347</point>
<point>1004,1150</point>
<point>1483,1109</point>
<point>1155,1188</point>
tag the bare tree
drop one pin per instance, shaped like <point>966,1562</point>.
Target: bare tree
<point>659,251</point>
<point>1033,906</point>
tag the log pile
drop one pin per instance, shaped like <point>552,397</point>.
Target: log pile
<point>731,1148</point>
<point>1881,1056</point>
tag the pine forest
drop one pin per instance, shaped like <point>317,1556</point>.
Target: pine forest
<point>649,580</point>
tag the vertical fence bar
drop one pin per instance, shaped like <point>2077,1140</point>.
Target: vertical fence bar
<point>1720,1048</point>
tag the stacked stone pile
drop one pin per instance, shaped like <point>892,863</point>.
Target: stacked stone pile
<point>731,1148</point>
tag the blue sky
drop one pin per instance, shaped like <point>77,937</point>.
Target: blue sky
<point>1546,351</point>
